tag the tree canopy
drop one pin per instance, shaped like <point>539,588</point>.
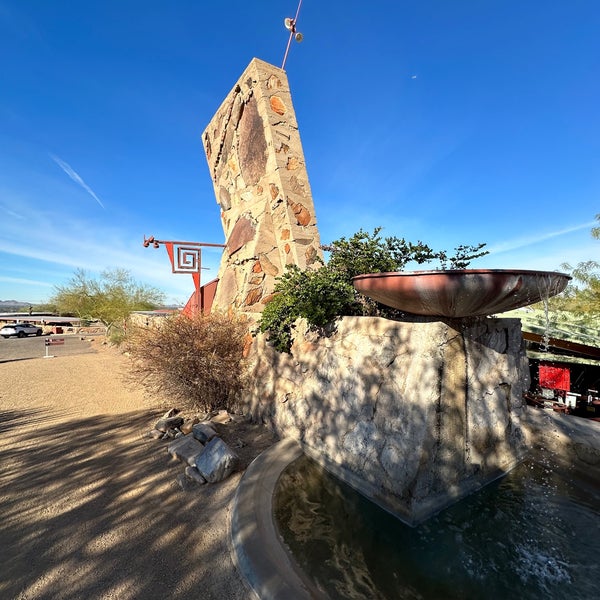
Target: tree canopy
<point>582,296</point>
<point>110,299</point>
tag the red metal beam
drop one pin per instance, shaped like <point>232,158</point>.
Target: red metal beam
<point>573,347</point>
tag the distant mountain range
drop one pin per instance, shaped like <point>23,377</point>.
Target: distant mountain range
<point>13,306</point>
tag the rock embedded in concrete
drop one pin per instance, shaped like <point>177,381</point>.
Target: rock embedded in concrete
<point>257,165</point>
<point>217,461</point>
<point>414,415</point>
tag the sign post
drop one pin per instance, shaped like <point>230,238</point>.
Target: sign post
<point>52,342</point>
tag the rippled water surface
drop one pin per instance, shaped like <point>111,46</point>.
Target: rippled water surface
<point>533,534</point>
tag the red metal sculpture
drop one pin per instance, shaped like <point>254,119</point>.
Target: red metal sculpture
<point>186,257</point>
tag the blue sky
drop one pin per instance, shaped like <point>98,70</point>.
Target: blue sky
<point>448,122</point>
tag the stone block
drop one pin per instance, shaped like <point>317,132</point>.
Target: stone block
<point>187,427</point>
<point>185,448</point>
<point>203,432</point>
<point>217,461</point>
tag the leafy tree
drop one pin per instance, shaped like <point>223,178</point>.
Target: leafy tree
<point>109,299</point>
<point>596,230</point>
<point>582,296</point>
<point>323,294</point>
<point>370,253</point>
<point>45,307</point>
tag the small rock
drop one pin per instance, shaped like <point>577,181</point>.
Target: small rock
<point>164,424</point>
<point>203,432</point>
<point>193,474</point>
<point>239,418</point>
<point>188,425</point>
<point>221,416</point>
<point>155,434</point>
<point>185,483</point>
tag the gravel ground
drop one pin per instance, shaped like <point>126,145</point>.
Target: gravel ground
<point>89,506</point>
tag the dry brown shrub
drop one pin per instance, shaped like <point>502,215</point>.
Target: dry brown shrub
<point>196,362</point>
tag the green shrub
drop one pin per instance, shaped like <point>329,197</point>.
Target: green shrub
<point>319,296</point>
<point>322,295</point>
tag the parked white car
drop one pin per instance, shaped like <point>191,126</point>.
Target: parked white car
<point>20,330</point>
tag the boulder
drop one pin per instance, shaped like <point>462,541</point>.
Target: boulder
<point>203,432</point>
<point>217,461</point>
<point>185,448</point>
<point>164,424</point>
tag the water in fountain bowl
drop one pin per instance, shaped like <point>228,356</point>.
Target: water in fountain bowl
<point>531,535</point>
<point>460,293</point>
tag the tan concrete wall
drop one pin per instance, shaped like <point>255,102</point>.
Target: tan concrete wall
<point>415,415</point>
<point>256,162</point>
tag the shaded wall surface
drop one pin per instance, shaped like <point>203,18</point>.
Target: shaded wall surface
<point>414,415</point>
<point>256,162</point>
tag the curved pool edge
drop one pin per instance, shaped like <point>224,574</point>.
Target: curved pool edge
<point>258,551</point>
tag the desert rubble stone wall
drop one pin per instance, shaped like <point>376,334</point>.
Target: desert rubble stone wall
<point>414,415</point>
<point>256,163</point>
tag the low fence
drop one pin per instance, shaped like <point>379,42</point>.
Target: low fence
<point>89,330</point>
<point>95,330</point>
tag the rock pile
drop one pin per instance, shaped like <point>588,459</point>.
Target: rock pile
<point>197,444</point>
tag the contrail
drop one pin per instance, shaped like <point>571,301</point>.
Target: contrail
<point>76,178</point>
<point>523,242</point>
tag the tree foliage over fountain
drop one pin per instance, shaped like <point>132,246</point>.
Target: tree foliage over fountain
<point>582,297</point>
<point>322,295</point>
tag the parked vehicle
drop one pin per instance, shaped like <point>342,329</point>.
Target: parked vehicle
<point>20,330</point>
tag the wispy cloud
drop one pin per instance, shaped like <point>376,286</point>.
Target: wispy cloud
<point>523,242</point>
<point>59,247</point>
<point>76,177</point>
<point>11,213</point>
<point>23,281</point>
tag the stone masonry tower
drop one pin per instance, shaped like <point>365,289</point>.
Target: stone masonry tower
<point>256,162</point>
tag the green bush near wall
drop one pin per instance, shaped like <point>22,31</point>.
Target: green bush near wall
<point>321,295</point>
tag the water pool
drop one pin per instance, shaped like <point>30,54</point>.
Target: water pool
<point>533,534</point>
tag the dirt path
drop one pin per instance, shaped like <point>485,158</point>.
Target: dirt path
<point>90,507</point>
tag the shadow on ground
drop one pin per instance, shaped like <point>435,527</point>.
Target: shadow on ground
<point>91,509</point>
